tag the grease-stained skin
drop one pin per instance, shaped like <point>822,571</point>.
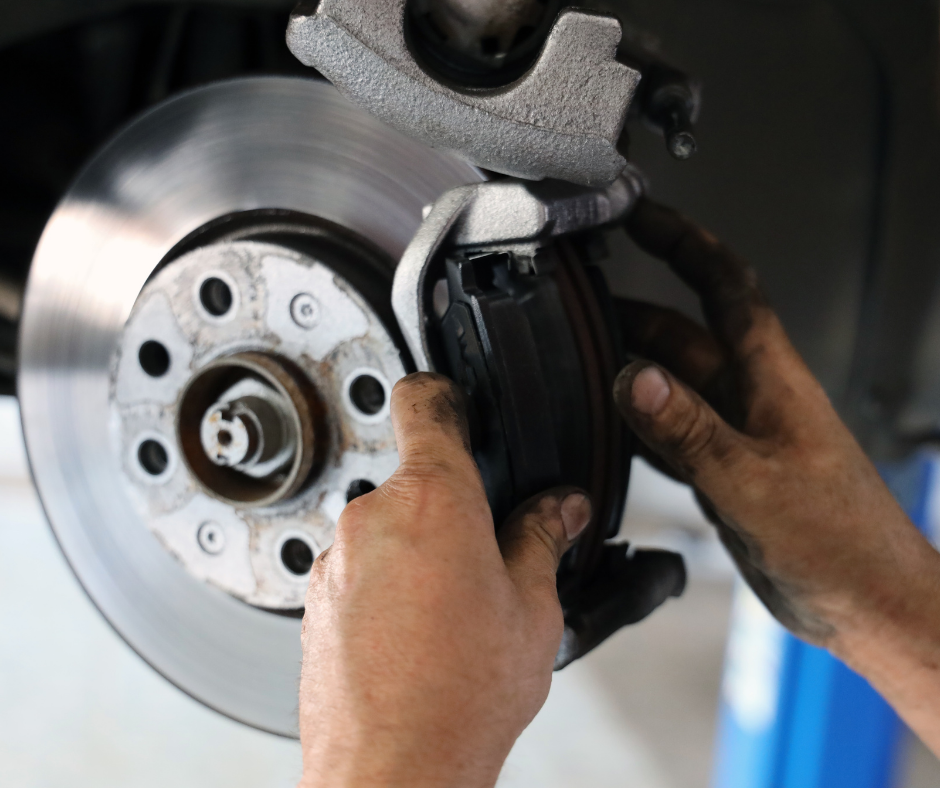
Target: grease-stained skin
<point>732,410</point>
<point>429,642</point>
<point>445,406</point>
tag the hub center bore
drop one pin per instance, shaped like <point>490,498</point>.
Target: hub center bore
<point>249,428</point>
<point>255,417</point>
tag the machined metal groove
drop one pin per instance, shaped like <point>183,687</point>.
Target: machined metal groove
<point>610,449</point>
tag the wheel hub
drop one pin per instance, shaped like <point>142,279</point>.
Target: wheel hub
<point>279,404</point>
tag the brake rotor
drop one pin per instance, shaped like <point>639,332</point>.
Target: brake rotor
<point>206,354</point>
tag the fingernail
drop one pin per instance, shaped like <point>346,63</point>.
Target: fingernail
<point>650,391</point>
<point>575,514</point>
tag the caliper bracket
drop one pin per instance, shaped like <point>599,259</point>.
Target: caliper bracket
<point>561,119</point>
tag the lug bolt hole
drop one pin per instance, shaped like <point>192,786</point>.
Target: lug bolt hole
<point>367,394</point>
<point>296,556</point>
<point>358,487</point>
<point>154,358</point>
<point>153,457</point>
<point>215,296</point>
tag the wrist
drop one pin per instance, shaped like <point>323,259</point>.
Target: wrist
<point>889,630</point>
<point>422,766</point>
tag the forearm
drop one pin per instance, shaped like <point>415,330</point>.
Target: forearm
<point>736,412</point>
<point>892,637</point>
<point>395,754</point>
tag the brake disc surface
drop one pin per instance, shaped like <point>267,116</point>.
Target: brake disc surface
<point>239,148</point>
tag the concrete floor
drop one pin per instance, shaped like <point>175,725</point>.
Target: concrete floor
<point>79,709</point>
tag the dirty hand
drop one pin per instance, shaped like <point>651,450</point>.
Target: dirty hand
<point>428,643</point>
<point>734,412</point>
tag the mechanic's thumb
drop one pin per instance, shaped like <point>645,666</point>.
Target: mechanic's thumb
<point>675,422</point>
<point>539,532</point>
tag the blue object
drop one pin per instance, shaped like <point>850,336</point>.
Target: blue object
<point>791,715</point>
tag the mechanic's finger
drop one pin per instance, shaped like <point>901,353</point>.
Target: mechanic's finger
<point>731,299</point>
<point>430,421</point>
<point>539,532</point>
<point>437,480</point>
<point>671,339</point>
<point>678,424</point>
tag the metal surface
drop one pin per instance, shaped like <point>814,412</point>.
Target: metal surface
<point>519,316</point>
<point>249,428</point>
<point>262,425</point>
<point>671,102</point>
<point>561,119</point>
<point>523,216</point>
<point>269,437</point>
<point>235,146</point>
<point>485,31</point>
